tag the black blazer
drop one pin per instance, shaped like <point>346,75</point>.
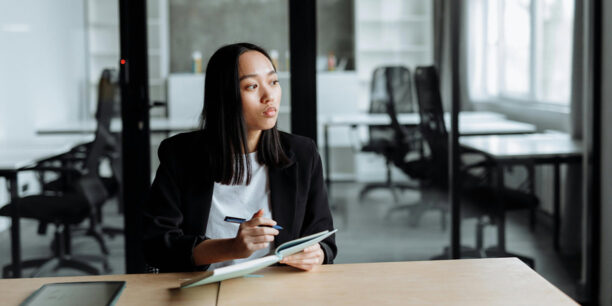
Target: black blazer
<point>176,212</point>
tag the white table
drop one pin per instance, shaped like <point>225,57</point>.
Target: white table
<point>17,154</point>
<point>470,123</point>
<point>518,147</point>
<point>156,125</point>
<point>538,149</point>
<point>403,118</point>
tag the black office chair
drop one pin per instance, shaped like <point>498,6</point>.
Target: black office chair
<point>479,197</point>
<point>107,108</point>
<point>381,139</point>
<point>418,168</point>
<point>64,210</point>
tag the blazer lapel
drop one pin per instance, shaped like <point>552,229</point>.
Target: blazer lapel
<point>201,196</point>
<point>200,188</point>
<point>283,191</point>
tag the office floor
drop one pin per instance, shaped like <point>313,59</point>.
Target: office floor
<point>366,234</point>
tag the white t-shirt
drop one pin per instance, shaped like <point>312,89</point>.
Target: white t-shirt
<point>240,201</point>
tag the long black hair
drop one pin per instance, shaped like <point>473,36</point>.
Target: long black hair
<point>224,124</point>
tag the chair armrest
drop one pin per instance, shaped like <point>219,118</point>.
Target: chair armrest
<point>356,143</point>
<point>63,170</point>
<point>481,164</point>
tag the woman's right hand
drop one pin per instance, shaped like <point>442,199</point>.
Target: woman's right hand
<point>252,237</point>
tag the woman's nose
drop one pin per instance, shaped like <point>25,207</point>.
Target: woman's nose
<point>266,94</point>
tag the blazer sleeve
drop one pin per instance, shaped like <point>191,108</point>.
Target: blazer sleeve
<point>165,244</point>
<point>318,215</point>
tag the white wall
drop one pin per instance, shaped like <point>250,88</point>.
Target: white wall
<point>42,66</point>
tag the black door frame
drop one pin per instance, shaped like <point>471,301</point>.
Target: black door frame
<point>135,106</point>
<point>590,289</point>
<point>136,159</point>
<point>303,50</point>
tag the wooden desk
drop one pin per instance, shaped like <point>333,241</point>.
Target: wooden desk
<point>541,148</point>
<point>17,154</point>
<point>490,281</point>
<point>496,281</point>
<point>140,289</point>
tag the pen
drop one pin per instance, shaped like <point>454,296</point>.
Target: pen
<point>240,220</point>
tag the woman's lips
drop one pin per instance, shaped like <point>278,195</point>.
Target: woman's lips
<point>270,111</point>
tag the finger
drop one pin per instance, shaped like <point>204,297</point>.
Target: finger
<point>312,248</point>
<point>259,246</point>
<point>300,256</point>
<point>303,259</point>
<point>308,253</point>
<point>257,221</point>
<point>259,239</point>
<point>259,231</point>
<point>303,263</point>
<point>304,267</point>
<point>259,213</point>
<point>318,256</point>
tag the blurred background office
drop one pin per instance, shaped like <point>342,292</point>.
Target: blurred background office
<point>526,77</point>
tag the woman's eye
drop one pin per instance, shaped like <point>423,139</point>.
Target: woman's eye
<point>252,86</point>
<point>275,82</point>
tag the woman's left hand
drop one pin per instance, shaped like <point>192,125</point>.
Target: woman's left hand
<point>307,259</point>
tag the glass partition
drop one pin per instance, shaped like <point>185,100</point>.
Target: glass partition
<point>59,137</point>
<point>367,54</point>
<point>182,37</point>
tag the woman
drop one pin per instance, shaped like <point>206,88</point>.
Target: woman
<point>237,165</point>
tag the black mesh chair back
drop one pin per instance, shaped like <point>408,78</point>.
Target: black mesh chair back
<point>396,78</point>
<point>390,83</point>
<point>107,92</point>
<point>432,125</point>
<point>107,98</point>
<point>399,132</point>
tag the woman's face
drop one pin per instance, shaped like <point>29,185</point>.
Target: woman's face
<point>259,90</point>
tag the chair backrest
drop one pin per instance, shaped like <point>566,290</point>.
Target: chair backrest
<point>390,84</point>
<point>107,98</point>
<point>399,132</point>
<point>431,113</point>
<point>104,139</point>
<point>108,93</point>
<point>92,188</point>
<point>401,90</point>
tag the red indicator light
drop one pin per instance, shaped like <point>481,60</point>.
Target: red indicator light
<point>122,62</point>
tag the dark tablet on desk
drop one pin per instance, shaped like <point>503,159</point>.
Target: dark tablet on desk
<point>78,293</point>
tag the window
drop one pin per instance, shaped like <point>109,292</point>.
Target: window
<point>520,50</point>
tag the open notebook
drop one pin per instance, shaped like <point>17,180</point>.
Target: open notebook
<point>244,268</point>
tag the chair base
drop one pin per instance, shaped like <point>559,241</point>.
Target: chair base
<point>97,234</point>
<point>392,187</point>
<point>61,258</point>
<point>480,251</point>
<point>416,211</point>
<point>112,231</point>
<point>46,265</point>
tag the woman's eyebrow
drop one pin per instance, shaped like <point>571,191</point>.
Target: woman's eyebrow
<point>254,75</point>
